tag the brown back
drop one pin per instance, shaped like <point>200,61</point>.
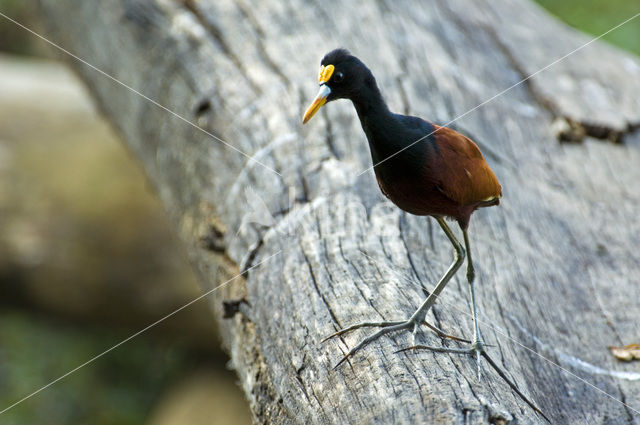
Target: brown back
<point>463,174</point>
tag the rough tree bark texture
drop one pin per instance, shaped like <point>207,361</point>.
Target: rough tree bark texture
<point>557,262</point>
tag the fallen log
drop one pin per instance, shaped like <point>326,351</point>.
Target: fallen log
<point>317,245</point>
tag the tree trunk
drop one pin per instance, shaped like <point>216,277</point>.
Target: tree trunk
<point>556,262</point>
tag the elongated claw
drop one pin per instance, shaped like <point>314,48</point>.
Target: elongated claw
<point>513,385</point>
<point>434,328</point>
<point>361,325</point>
<point>442,334</point>
<point>387,327</point>
<point>385,330</point>
<point>437,349</point>
<point>476,348</point>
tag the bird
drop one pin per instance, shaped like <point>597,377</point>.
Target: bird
<point>424,169</point>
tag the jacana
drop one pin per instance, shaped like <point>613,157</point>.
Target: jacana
<point>424,169</point>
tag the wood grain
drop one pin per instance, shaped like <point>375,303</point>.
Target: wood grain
<point>557,262</point>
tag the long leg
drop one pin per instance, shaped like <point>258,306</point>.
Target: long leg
<point>418,317</point>
<point>421,312</point>
<point>478,344</point>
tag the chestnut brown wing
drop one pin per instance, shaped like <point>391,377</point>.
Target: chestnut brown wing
<point>463,174</point>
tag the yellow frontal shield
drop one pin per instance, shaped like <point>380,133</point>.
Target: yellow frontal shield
<point>325,73</point>
<point>321,98</point>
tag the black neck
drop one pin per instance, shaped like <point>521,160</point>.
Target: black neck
<point>378,122</point>
<point>368,100</point>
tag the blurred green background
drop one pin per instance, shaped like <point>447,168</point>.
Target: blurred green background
<point>595,17</point>
<point>88,258</point>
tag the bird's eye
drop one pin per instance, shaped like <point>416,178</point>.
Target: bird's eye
<point>338,77</point>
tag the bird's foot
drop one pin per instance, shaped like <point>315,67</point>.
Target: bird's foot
<point>477,348</point>
<point>386,327</point>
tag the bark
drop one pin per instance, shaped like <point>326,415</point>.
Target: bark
<point>556,262</point>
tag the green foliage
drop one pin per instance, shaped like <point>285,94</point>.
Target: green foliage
<point>598,16</point>
<point>14,39</point>
<point>117,388</point>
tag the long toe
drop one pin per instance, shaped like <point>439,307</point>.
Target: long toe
<point>478,349</point>
<point>397,326</point>
<point>363,325</point>
<point>393,326</point>
<point>443,334</point>
<point>438,349</point>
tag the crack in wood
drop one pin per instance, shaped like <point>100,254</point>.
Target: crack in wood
<point>260,36</point>
<point>406,107</point>
<point>569,130</point>
<point>329,136</point>
<point>317,288</point>
<point>623,399</point>
<point>220,40</point>
<point>213,239</point>
<point>251,256</point>
<point>566,128</point>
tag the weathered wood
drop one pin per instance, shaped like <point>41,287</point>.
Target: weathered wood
<point>557,262</point>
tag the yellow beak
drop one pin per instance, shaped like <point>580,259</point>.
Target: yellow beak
<point>320,100</point>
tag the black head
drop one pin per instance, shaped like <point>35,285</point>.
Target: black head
<point>342,75</point>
